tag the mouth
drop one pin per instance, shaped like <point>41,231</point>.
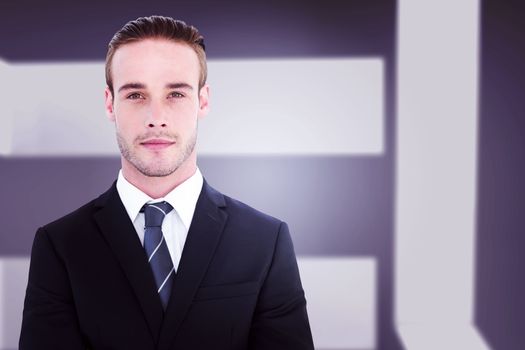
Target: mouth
<point>157,144</point>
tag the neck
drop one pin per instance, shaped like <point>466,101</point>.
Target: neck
<point>159,186</point>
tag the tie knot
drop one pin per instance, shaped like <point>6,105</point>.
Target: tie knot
<point>154,213</point>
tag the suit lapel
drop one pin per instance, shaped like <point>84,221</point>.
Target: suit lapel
<point>203,236</point>
<point>119,232</point>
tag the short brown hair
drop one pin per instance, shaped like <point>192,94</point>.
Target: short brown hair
<point>158,27</point>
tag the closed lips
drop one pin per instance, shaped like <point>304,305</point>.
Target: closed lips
<point>157,143</point>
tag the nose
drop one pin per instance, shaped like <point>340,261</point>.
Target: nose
<point>157,116</point>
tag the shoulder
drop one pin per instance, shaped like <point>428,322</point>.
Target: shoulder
<point>72,218</point>
<point>79,219</point>
<point>245,218</point>
<point>241,210</point>
<point>238,209</point>
<point>250,234</point>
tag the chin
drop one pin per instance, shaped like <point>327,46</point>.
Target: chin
<point>158,171</point>
<point>159,166</point>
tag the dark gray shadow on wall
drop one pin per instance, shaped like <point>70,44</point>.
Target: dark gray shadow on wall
<point>333,205</point>
<point>500,277</point>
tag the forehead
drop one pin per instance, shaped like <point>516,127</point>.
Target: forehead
<point>155,61</point>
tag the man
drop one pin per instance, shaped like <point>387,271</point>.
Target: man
<point>162,260</point>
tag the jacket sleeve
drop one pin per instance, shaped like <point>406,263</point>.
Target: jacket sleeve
<point>49,317</point>
<point>280,320</point>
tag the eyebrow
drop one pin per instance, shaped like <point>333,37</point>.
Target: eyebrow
<point>179,86</point>
<point>131,86</point>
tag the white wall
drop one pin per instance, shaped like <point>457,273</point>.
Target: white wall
<point>299,106</point>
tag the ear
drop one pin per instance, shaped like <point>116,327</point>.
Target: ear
<point>204,99</point>
<point>109,104</point>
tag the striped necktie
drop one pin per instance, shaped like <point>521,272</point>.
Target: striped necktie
<point>157,250</point>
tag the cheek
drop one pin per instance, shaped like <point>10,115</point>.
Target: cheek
<point>180,107</point>
<point>184,112</point>
<point>129,119</point>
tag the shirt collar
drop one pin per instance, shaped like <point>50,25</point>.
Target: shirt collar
<point>182,198</point>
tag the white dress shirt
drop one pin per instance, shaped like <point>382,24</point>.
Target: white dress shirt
<point>176,224</point>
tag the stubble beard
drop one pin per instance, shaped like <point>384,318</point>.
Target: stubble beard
<point>157,167</point>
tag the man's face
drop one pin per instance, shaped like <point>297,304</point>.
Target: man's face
<point>156,105</point>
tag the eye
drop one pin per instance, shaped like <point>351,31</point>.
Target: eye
<point>134,96</point>
<point>175,94</point>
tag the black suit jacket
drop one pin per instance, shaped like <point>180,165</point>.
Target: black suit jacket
<point>237,286</point>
